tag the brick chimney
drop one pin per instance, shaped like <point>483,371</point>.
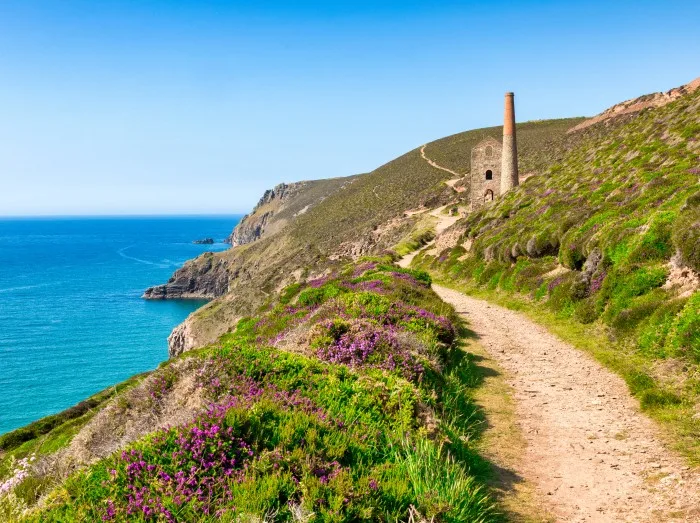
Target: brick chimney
<point>509,161</point>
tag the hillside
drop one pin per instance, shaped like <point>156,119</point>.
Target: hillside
<point>347,398</point>
<point>607,237</point>
<point>344,218</point>
<point>281,205</point>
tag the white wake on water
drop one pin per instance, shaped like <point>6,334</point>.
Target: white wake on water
<point>160,264</point>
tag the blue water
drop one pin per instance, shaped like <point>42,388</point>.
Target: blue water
<point>71,318</point>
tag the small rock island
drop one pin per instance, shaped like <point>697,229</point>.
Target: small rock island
<point>204,241</point>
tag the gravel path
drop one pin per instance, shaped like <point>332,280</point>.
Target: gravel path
<point>590,453</point>
<point>443,222</point>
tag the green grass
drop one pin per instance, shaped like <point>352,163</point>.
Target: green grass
<point>422,233</point>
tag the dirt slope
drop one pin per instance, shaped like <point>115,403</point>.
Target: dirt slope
<point>590,452</point>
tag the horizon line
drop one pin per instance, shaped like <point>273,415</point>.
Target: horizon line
<point>79,216</point>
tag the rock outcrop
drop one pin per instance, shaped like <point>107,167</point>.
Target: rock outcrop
<point>637,104</point>
<point>253,225</point>
<point>205,277</point>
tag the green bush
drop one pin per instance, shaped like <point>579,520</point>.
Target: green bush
<point>655,244</point>
<point>653,334</point>
<point>685,333</point>
<point>586,311</point>
<point>316,296</point>
<point>686,236</point>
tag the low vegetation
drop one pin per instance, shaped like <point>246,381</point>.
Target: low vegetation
<point>361,215</point>
<point>345,399</point>
<point>608,238</point>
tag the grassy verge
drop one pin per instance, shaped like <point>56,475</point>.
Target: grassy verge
<point>421,233</point>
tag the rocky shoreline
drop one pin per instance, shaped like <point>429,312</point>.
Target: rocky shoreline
<point>204,277</point>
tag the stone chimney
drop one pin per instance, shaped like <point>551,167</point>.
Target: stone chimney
<point>509,161</point>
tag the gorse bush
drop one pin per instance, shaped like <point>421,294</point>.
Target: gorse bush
<point>317,409</point>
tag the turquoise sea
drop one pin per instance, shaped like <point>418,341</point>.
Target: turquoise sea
<point>72,321</point>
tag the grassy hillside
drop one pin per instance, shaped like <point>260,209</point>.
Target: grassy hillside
<point>540,143</point>
<point>608,237</point>
<point>363,217</point>
<point>347,398</point>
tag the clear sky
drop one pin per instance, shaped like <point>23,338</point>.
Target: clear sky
<point>152,107</point>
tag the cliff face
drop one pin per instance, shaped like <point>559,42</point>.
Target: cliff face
<point>205,277</point>
<point>254,225</point>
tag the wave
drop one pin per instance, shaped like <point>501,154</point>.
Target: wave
<point>27,287</point>
<point>160,265</point>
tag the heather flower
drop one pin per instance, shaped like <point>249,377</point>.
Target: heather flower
<point>367,344</point>
<point>597,282</point>
<point>554,283</point>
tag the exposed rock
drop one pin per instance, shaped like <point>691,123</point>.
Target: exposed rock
<point>681,278</point>
<point>181,339</point>
<point>205,277</point>
<point>204,241</point>
<point>253,225</point>
<point>637,104</point>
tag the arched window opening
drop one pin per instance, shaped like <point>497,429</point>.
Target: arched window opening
<point>489,152</point>
<point>489,175</point>
<point>488,196</point>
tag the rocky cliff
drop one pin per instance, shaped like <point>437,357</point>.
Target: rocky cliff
<point>253,225</point>
<point>205,277</point>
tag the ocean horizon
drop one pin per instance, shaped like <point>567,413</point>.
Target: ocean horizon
<point>72,321</point>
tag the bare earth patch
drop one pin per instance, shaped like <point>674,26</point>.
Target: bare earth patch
<point>590,452</point>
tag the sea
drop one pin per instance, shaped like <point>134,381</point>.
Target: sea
<point>72,321</point>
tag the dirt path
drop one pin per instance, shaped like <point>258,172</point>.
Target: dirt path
<point>451,183</point>
<point>590,453</point>
<point>443,222</point>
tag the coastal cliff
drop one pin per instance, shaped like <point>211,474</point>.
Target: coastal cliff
<point>205,277</point>
<point>600,244</point>
<point>253,225</point>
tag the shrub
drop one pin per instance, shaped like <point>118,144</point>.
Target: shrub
<point>684,336</point>
<point>655,244</point>
<point>586,311</point>
<point>653,334</point>
<point>317,295</point>
<point>686,236</point>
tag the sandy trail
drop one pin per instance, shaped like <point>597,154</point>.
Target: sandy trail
<point>591,454</point>
<point>443,222</point>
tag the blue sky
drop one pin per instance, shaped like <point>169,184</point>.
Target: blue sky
<point>152,107</point>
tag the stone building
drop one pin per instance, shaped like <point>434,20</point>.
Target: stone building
<point>485,172</point>
<point>494,166</point>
